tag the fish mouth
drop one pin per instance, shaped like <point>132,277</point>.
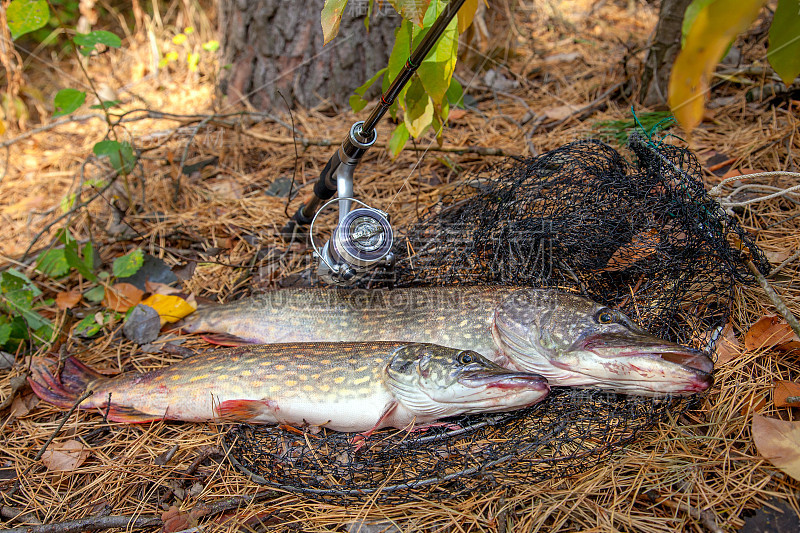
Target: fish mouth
<point>694,364</point>
<point>504,379</point>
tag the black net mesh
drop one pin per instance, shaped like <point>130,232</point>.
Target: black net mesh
<point>643,237</point>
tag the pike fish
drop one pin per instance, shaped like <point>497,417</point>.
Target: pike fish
<point>342,386</point>
<point>569,339</point>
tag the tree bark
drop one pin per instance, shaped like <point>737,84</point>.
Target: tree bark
<point>662,52</point>
<point>272,45</point>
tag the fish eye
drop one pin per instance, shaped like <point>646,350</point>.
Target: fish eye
<point>605,317</point>
<point>466,358</point>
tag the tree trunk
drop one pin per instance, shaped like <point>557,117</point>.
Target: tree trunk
<point>661,55</point>
<point>274,45</point>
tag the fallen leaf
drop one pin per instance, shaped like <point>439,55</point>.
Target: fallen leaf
<point>785,390</point>
<point>642,245</point>
<point>770,331</point>
<point>170,308</point>
<point>65,457</point>
<point>142,325</point>
<point>122,296</point>
<point>154,287</point>
<point>778,257</point>
<point>778,442</point>
<point>68,299</point>
<point>561,112</point>
<point>175,520</point>
<point>728,346</point>
<point>739,172</point>
<point>456,114</point>
<point>23,404</point>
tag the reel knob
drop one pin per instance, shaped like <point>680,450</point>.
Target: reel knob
<point>363,238</point>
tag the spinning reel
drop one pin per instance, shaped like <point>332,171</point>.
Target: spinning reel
<point>363,238</point>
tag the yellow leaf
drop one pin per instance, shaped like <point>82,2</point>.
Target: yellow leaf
<point>778,442</point>
<point>466,14</point>
<point>715,27</point>
<point>170,308</point>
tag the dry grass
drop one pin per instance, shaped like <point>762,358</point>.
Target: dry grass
<point>704,462</point>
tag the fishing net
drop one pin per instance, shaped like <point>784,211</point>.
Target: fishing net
<point>641,236</point>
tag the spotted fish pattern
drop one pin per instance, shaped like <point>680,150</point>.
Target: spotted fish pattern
<point>342,386</point>
<point>569,339</point>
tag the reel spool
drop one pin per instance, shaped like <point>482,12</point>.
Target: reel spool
<point>362,241</point>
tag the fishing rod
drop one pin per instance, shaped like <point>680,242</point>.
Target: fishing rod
<point>363,238</point>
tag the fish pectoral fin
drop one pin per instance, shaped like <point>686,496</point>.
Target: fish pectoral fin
<point>129,415</point>
<point>246,410</point>
<point>360,439</point>
<point>225,339</point>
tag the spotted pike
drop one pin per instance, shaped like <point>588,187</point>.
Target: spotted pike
<point>568,339</point>
<point>342,386</point>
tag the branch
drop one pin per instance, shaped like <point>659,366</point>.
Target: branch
<point>46,127</point>
<point>481,150</point>
<point>93,523</point>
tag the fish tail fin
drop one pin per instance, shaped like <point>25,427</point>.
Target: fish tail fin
<point>64,390</point>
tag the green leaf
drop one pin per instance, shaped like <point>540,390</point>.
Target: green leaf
<point>67,101</point>
<point>398,140</point>
<point>88,327</point>
<point>413,10</point>
<point>14,280</point>
<point>26,15</point>
<point>83,266</point>
<point>418,108</point>
<point>88,256</point>
<point>784,41</point>
<point>86,42</point>
<point>52,263</point>
<point>128,264</point>
<point>95,294</point>
<point>357,101</point>
<point>715,26</point>
<point>106,104</point>
<point>120,155</point>
<point>68,201</point>
<point>5,330</point>
<point>400,53</point>
<point>437,68</point>
<point>332,13</point>
<point>211,46</point>
<point>455,94</point>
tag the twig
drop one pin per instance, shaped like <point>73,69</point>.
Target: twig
<point>780,267</point>
<point>14,513</point>
<point>92,523</point>
<point>40,129</point>
<point>775,298</point>
<point>480,150</point>
<point>706,516</point>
